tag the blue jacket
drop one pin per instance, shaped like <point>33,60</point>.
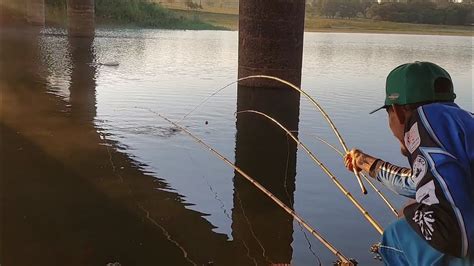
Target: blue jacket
<point>440,139</point>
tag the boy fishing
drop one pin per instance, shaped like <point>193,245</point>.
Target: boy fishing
<point>437,137</point>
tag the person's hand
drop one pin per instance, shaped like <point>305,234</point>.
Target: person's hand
<point>357,160</point>
<point>353,160</point>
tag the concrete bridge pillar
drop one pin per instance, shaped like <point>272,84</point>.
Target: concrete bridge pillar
<point>35,12</point>
<point>80,14</point>
<point>271,40</point>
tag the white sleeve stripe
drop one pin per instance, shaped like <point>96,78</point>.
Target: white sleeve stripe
<point>398,172</point>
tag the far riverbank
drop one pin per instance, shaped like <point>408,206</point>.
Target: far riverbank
<point>230,21</point>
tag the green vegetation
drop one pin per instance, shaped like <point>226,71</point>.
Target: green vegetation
<point>139,13</point>
<point>423,12</point>
<point>368,25</point>
<point>410,11</point>
<point>340,8</point>
<point>322,15</point>
<point>228,21</point>
<point>321,24</point>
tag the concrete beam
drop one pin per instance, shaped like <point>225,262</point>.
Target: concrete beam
<point>271,40</point>
<point>80,15</point>
<point>35,12</point>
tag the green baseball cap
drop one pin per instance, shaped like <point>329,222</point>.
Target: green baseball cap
<point>418,82</point>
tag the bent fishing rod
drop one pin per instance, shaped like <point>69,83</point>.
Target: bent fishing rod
<point>366,214</point>
<point>382,196</point>
<point>379,192</point>
<point>311,99</point>
<point>343,260</point>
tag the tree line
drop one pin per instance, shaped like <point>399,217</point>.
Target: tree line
<point>417,11</point>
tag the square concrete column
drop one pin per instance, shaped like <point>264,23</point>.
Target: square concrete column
<point>80,15</point>
<point>35,12</point>
<point>271,40</point>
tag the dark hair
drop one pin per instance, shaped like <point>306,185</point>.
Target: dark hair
<point>443,85</point>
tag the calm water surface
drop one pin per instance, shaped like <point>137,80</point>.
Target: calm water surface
<point>170,72</point>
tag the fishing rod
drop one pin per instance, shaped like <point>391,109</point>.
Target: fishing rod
<point>166,234</point>
<point>382,196</point>
<point>343,260</point>
<point>311,99</point>
<point>366,214</point>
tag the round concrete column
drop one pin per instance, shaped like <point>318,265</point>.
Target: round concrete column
<point>80,15</point>
<point>35,12</point>
<point>271,40</point>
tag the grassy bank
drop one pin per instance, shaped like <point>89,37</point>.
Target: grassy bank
<point>318,24</point>
<point>367,25</point>
<point>136,13</point>
<point>146,14</point>
<point>228,21</point>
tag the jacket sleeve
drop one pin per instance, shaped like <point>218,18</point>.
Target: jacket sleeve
<point>396,178</point>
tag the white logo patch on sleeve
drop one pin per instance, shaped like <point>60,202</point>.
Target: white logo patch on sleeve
<point>427,194</point>
<point>425,220</point>
<point>412,138</point>
<point>419,169</point>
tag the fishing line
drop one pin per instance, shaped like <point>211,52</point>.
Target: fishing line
<point>311,99</point>
<point>230,219</point>
<point>216,197</point>
<point>222,207</point>
<point>343,259</point>
<point>366,214</point>
<point>291,202</point>
<point>148,216</point>
<point>379,192</point>
<point>382,196</point>
<point>252,232</point>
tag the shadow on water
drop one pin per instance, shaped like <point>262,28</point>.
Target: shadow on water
<point>263,151</point>
<point>67,196</point>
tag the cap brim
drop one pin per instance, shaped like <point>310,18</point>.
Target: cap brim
<point>380,108</point>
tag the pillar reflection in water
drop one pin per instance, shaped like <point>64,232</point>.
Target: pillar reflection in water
<point>265,153</point>
<point>83,83</point>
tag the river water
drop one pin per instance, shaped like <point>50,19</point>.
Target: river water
<point>170,73</point>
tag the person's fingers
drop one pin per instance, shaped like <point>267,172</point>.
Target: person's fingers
<point>349,166</point>
<point>347,161</point>
<point>352,156</point>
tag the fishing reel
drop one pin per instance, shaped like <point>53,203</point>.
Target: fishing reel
<point>352,262</point>
<point>374,249</point>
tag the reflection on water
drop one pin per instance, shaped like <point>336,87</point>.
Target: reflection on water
<point>82,87</point>
<point>263,151</point>
<point>67,196</point>
<point>91,176</point>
